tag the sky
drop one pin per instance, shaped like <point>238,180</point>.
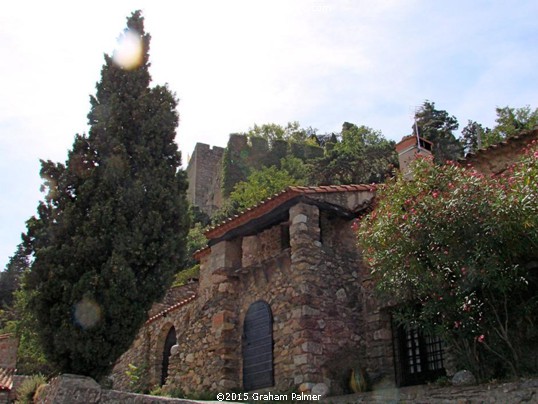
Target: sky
<point>235,63</point>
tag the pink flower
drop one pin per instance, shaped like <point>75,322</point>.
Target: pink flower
<point>435,194</point>
<point>481,338</point>
<point>536,154</point>
<point>457,324</point>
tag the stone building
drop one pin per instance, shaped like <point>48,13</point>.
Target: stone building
<point>283,300</point>
<point>203,173</point>
<point>279,303</point>
<point>213,172</point>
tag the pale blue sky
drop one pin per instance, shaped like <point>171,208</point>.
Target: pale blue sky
<point>236,63</point>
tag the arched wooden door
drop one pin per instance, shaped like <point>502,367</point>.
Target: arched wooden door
<point>170,341</point>
<point>258,347</point>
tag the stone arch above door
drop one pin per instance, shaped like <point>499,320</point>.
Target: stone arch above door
<point>166,338</point>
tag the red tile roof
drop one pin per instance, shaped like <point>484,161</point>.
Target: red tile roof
<point>276,200</point>
<point>523,138</point>
<point>6,378</point>
<point>171,308</point>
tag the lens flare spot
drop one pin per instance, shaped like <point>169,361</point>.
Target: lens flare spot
<point>128,53</point>
<point>87,312</point>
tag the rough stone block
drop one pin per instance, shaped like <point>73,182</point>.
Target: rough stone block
<point>312,347</point>
<point>300,359</point>
<point>383,334</point>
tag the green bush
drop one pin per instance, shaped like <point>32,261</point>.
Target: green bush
<point>137,378</point>
<point>28,388</point>
<point>183,276</point>
<point>457,252</point>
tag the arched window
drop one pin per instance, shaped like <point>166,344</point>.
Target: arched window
<point>258,347</point>
<point>168,344</point>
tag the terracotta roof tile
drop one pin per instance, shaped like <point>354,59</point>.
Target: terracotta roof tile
<point>274,201</point>
<point>6,378</point>
<point>171,308</point>
<point>8,335</point>
<point>521,137</point>
<point>201,252</point>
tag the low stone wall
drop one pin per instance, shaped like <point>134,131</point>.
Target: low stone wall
<point>72,389</point>
<point>524,391</point>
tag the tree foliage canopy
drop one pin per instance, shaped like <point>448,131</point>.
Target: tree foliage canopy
<point>456,253</point>
<point>260,185</point>
<point>291,132</point>
<point>359,155</point>
<point>438,127</point>
<point>11,276</point>
<point>111,230</point>
<point>511,121</point>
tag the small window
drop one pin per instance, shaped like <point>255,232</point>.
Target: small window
<point>418,356</point>
<point>284,237</point>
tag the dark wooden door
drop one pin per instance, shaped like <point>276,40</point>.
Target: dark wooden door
<point>170,341</point>
<point>258,347</point>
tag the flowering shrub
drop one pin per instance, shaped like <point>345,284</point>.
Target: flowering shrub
<point>457,253</point>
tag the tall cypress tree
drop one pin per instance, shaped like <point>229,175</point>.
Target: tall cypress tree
<point>111,231</point>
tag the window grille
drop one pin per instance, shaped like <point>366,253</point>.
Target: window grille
<point>419,357</point>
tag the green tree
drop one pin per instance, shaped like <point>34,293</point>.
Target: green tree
<point>362,155</point>
<point>10,277</point>
<point>195,241</point>
<point>30,356</point>
<point>291,132</point>
<point>456,252</point>
<point>438,127</point>
<point>111,231</point>
<point>473,136</point>
<point>301,171</point>
<point>260,185</point>
<point>511,121</point>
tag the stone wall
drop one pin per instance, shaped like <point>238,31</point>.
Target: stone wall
<point>74,389</point>
<point>379,353</point>
<point>146,350</point>
<point>497,158</point>
<point>83,390</point>
<point>312,292</point>
<point>213,172</point>
<point>204,175</point>
<point>8,351</point>
<point>312,286</point>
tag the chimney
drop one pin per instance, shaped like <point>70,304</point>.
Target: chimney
<point>408,149</point>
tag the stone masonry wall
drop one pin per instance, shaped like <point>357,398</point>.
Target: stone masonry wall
<point>379,353</point>
<point>306,268</point>
<point>203,172</point>
<point>210,358</point>
<point>146,350</point>
<point>8,350</point>
<point>83,390</point>
<point>331,324</point>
